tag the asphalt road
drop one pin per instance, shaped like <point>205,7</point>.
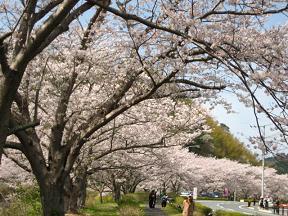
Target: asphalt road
<point>153,211</point>
<point>236,206</point>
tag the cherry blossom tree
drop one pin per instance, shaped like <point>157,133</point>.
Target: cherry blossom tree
<point>166,123</point>
<point>78,81</point>
<point>211,174</point>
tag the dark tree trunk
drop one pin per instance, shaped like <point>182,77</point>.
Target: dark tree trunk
<point>101,196</point>
<point>78,193</point>
<point>52,199</point>
<point>9,84</point>
<point>116,191</point>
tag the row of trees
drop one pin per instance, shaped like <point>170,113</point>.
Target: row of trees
<point>66,85</point>
<point>173,169</point>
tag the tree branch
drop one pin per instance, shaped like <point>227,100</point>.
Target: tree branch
<point>244,13</point>
<point>127,16</point>
<point>21,165</point>
<point>202,86</point>
<point>44,11</point>
<point>13,145</point>
<point>23,127</point>
<point>32,45</point>
<point>3,50</point>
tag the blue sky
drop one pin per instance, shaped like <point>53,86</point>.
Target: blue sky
<point>241,121</point>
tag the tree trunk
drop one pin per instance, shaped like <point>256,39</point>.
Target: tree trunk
<point>78,193</point>
<point>133,189</point>
<point>101,196</point>
<point>52,199</point>
<point>116,191</point>
<point>7,93</point>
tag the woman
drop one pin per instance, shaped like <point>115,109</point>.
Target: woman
<point>188,206</point>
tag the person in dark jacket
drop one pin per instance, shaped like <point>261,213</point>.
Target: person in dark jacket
<point>152,199</point>
<point>164,200</point>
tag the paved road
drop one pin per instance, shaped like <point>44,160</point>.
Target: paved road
<point>235,206</point>
<point>153,211</point>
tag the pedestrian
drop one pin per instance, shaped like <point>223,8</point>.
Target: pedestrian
<point>266,204</point>
<point>164,200</point>
<point>188,206</point>
<point>277,205</point>
<point>261,202</point>
<point>152,199</point>
<point>254,200</point>
<point>249,202</point>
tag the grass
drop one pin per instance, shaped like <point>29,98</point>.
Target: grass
<point>102,209</point>
<point>227,213</point>
<point>171,211</point>
<point>129,205</point>
<point>25,202</point>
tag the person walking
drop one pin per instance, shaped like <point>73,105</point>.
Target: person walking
<point>164,200</point>
<point>254,200</point>
<point>261,202</point>
<point>188,206</point>
<point>152,199</point>
<point>277,206</point>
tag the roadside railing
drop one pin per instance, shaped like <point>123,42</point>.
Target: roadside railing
<point>282,208</point>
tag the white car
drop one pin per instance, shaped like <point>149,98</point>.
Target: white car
<point>186,193</point>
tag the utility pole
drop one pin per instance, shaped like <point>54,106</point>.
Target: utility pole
<point>263,164</point>
<point>263,168</point>
<point>263,161</point>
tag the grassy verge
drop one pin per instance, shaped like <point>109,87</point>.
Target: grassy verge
<point>101,209</point>
<point>129,205</point>
<point>227,213</point>
<point>25,202</point>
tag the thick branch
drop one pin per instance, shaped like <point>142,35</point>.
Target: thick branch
<point>23,127</point>
<point>21,165</point>
<point>41,34</point>
<point>85,39</point>
<point>189,82</point>
<point>13,145</point>
<point>63,26</point>
<point>25,25</point>
<point>45,10</point>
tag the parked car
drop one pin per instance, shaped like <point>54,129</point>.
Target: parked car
<point>212,194</point>
<point>204,194</point>
<point>215,195</point>
<point>186,193</point>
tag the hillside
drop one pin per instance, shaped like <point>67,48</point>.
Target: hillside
<point>280,163</point>
<point>222,144</point>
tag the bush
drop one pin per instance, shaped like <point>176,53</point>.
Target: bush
<point>204,210</point>
<point>212,198</point>
<point>129,205</point>
<point>126,210</point>
<point>25,203</point>
<point>129,199</point>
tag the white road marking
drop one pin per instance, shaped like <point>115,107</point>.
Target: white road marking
<point>219,205</point>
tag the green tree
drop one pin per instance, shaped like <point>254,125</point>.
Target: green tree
<point>222,144</point>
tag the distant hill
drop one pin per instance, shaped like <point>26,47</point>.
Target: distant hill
<point>280,163</point>
<point>222,144</point>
